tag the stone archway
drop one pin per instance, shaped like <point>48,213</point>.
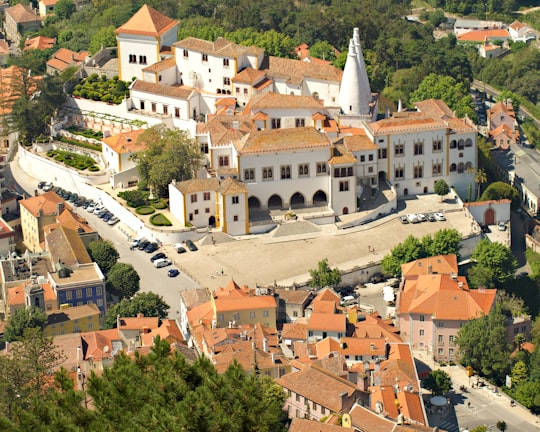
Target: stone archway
<point>275,202</point>
<point>320,199</point>
<point>297,200</point>
<point>212,221</point>
<point>254,203</point>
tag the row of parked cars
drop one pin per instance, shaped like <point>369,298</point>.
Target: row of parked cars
<point>159,260</point>
<point>421,217</point>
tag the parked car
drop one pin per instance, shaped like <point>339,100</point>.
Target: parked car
<point>41,184</point>
<point>421,217</point>
<point>151,247</point>
<point>142,244</point>
<point>439,216</point>
<point>47,187</point>
<point>502,226</point>
<point>107,217</point>
<point>191,246</point>
<point>135,242</point>
<point>404,219</point>
<point>412,218</point>
<point>113,220</point>
<point>163,262</point>
<point>486,229</point>
<point>157,256</point>
<point>430,217</point>
<point>73,197</point>
<point>99,209</point>
<point>79,202</point>
<point>376,278</point>
<point>86,203</point>
<point>173,272</point>
<point>102,213</point>
<point>91,207</point>
<point>181,250</point>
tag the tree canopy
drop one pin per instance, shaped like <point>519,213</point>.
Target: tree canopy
<point>170,155</point>
<point>441,188</point>
<point>23,319</point>
<point>104,254</point>
<point>323,275</point>
<point>159,391</point>
<point>438,382</point>
<point>496,259</point>
<point>148,304</point>
<point>483,345</point>
<point>501,190</point>
<point>123,280</point>
<point>444,242</point>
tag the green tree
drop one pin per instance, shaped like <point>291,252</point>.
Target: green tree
<point>322,50</point>
<point>103,38</point>
<point>480,177</point>
<point>23,319</point>
<point>148,304</point>
<point>482,345</point>
<point>441,188</point>
<point>170,155</point>
<point>455,94</point>
<point>520,373</point>
<point>499,191</point>
<point>123,280</point>
<point>410,250</point>
<point>478,276</point>
<point>104,254</point>
<point>501,425</point>
<point>438,382</point>
<point>528,394</point>
<point>64,9</point>
<point>496,258</point>
<point>445,242</point>
<point>324,276</point>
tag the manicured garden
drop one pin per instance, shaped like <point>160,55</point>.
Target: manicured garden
<point>102,89</point>
<point>160,219</point>
<point>74,160</point>
<point>143,205</point>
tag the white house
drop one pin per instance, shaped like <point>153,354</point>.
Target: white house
<point>118,149</point>
<point>193,202</point>
<point>519,32</point>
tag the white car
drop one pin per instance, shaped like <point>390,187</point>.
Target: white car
<point>412,218</point>
<point>162,262</point>
<point>114,220</point>
<point>98,209</point>
<point>502,226</point>
<point>91,208</point>
<point>47,187</point>
<point>421,217</point>
<point>439,216</point>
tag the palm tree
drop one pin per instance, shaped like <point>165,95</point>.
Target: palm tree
<point>480,177</point>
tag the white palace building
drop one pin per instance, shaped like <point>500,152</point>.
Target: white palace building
<point>282,133</point>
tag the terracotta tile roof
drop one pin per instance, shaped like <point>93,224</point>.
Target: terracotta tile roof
<point>73,221</point>
<point>356,143</point>
<point>272,140</point>
<point>304,425</point>
<point>341,155</point>
<point>327,294</point>
<point>148,22</point>
<point>406,124</point>
<point>249,76</point>
<point>248,358</point>
<point>226,304</point>
<point>226,101</point>
<point>168,331</point>
<point>434,108</point>
<point>72,313</point>
<point>294,331</point>
<point>295,71</point>
<point>198,185</point>
<point>445,298</point>
<point>4,47</point>
<point>438,264</point>
<point>48,2</point>
<point>98,345</point>
<point>481,35</point>
<point>319,386</point>
<point>328,322</point>
<point>224,129</point>
<point>328,307</point>
<point>202,314</point>
<point>486,203</point>
<point>39,42</point>
<point>65,246</point>
<point>161,65</point>
<point>326,346</point>
<point>499,107</point>
<point>16,297</point>
<point>367,420</point>
<point>220,48</point>
<point>373,326</point>
<point>46,203</point>
<point>293,296</point>
<point>266,82</point>
<point>21,13</point>
<point>64,58</point>
<point>270,100</point>
<point>174,91</point>
<point>195,297</point>
<point>138,323</point>
<point>517,25</point>
<point>127,142</point>
<point>230,186</point>
<point>260,116</point>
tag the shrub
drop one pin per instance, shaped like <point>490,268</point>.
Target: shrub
<point>135,198</point>
<point>160,220</point>
<point>93,168</point>
<point>145,210</point>
<point>160,205</point>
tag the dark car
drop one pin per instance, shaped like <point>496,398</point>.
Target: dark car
<point>85,204</point>
<point>142,244</point>
<point>430,217</point>
<point>102,213</point>
<point>151,247</point>
<point>41,184</point>
<point>486,229</point>
<point>181,250</point>
<point>173,273</point>
<point>376,278</point>
<point>107,217</point>
<point>158,256</point>
<point>74,197</point>
<point>191,246</point>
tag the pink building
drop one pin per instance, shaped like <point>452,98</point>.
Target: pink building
<point>433,304</point>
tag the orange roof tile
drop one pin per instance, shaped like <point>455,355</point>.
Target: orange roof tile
<point>39,42</point>
<point>434,108</point>
<point>21,13</point>
<point>4,47</point>
<point>486,203</point>
<point>148,22</point>
<point>270,100</point>
<point>65,246</point>
<point>98,345</point>
<point>174,91</point>
<point>438,264</point>
<point>328,322</point>
<point>294,331</point>
<point>138,323</point>
<point>295,71</point>
<point>16,297</point>
<point>224,304</point>
<point>160,66</point>
<point>481,35</point>
<point>46,203</point>
<point>168,330</point>
<point>127,142</point>
<point>224,129</point>
<point>221,47</point>
<point>249,76</point>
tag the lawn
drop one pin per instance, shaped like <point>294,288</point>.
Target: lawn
<point>74,160</point>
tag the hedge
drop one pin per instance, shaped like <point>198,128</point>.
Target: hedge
<point>160,220</point>
<point>73,160</point>
<point>145,210</point>
<point>160,205</point>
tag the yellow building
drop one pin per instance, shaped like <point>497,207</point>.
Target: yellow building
<point>235,305</point>
<point>72,319</point>
<point>37,212</point>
